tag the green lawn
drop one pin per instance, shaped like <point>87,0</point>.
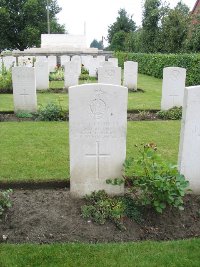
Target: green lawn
<point>150,99</point>
<point>144,254</point>
<point>40,150</point>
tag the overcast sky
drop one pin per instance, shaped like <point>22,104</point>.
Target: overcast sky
<point>99,14</point>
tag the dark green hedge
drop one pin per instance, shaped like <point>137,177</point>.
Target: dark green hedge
<point>153,64</point>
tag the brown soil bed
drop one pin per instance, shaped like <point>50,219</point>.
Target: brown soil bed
<point>51,215</point>
<point>131,116</point>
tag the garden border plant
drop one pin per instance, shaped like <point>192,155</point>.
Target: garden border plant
<point>154,183</point>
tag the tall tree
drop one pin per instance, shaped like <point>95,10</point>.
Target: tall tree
<point>23,21</point>
<point>192,43</point>
<point>174,29</point>
<point>96,44</point>
<point>150,23</point>
<point>123,23</point>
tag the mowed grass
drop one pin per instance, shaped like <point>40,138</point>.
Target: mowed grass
<point>150,99</point>
<point>183,253</point>
<point>39,151</point>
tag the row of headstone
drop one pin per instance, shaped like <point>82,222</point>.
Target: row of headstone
<point>98,130</point>
<point>107,73</point>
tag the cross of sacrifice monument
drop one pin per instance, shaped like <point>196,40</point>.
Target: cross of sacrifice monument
<point>98,155</point>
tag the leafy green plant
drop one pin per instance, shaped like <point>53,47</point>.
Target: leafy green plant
<point>51,112</point>
<point>102,208</point>
<point>5,201</point>
<point>58,75</point>
<point>5,81</point>
<point>84,70</point>
<point>174,113</point>
<point>24,115</point>
<point>159,184</point>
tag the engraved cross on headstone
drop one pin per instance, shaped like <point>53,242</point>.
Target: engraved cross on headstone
<point>97,155</point>
<point>173,97</point>
<point>24,95</point>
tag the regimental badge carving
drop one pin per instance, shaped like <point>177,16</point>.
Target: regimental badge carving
<point>98,105</point>
<point>109,73</point>
<point>175,74</point>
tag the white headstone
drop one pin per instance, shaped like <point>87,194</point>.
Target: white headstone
<point>71,75</point>
<point>97,123</point>
<point>101,59</point>
<point>173,87</point>
<point>189,148</point>
<point>106,64</point>
<point>41,58</point>
<point>24,89</point>
<point>131,75</point>
<point>109,75</point>
<point>77,59</point>
<point>86,61</point>
<point>93,67</point>
<point>9,61</point>
<point>114,61</point>
<point>52,60</point>
<point>64,59</point>
<point>42,75</point>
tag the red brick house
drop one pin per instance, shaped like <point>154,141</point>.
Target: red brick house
<point>195,11</point>
<point>196,8</point>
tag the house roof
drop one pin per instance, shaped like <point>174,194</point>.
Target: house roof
<point>196,5</point>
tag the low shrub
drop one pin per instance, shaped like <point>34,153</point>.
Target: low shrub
<point>101,208</point>
<point>154,183</point>
<point>5,201</point>
<point>84,70</point>
<point>153,64</point>
<point>58,75</point>
<point>51,112</point>
<point>174,113</point>
<point>24,114</point>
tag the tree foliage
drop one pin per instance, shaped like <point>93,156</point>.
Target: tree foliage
<point>97,44</point>
<point>151,17</point>
<point>23,21</point>
<point>174,29</point>
<point>164,30</point>
<point>123,23</point>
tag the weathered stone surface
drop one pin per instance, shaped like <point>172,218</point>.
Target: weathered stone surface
<point>131,75</point>
<point>173,87</point>
<point>189,148</point>
<point>93,67</point>
<point>97,137</point>
<point>114,61</point>
<point>77,59</point>
<point>42,75</point>
<point>101,59</point>
<point>109,74</point>
<point>52,60</point>
<point>71,73</point>
<point>9,62</point>
<point>24,89</point>
<point>64,59</point>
